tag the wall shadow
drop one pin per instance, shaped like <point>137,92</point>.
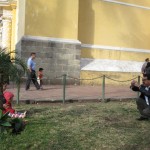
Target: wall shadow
<point>86,22</point>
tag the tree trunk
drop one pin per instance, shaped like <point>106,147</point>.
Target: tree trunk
<point>1,83</point>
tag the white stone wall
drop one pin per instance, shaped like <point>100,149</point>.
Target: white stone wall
<point>103,65</point>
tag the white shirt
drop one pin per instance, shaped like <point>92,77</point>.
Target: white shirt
<point>146,98</point>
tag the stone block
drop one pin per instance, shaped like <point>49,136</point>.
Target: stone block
<point>37,49</point>
<point>46,60</point>
<point>25,54</point>
<point>78,52</point>
<point>62,61</point>
<point>56,81</point>
<point>62,51</point>
<point>46,43</point>
<point>74,62</point>
<point>38,43</point>
<point>65,67</point>
<point>47,49</point>
<point>55,57</point>
<point>78,57</point>
<point>60,73</point>
<point>78,47</point>
<point>57,44</point>
<point>29,43</point>
<point>52,68</point>
<point>23,43</point>
<point>58,68</point>
<point>69,46</point>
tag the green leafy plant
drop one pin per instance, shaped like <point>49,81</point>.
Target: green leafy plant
<point>12,68</point>
<point>13,125</point>
<point>4,122</point>
<point>18,125</point>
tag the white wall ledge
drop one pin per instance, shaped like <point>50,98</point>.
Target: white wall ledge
<point>26,37</point>
<point>105,47</point>
<point>106,65</point>
<point>127,4</point>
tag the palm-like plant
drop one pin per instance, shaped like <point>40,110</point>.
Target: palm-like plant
<point>4,123</point>
<point>10,68</point>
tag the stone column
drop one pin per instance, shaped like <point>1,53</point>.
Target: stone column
<point>6,30</point>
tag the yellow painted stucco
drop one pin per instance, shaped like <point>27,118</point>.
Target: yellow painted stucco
<point>109,24</point>
<point>113,55</point>
<point>104,23</point>
<point>97,77</point>
<point>20,20</point>
<point>11,28</point>
<point>52,18</point>
<point>13,31</point>
<point>144,3</point>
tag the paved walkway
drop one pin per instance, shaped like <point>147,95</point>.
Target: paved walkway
<point>55,93</point>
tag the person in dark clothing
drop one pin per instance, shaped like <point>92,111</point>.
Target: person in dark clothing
<point>147,68</point>
<point>2,98</point>
<point>144,66</point>
<point>143,102</point>
<point>31,72</point>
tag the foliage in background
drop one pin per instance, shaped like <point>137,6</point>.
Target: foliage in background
<point>4,123</point>
<point>11,68</point>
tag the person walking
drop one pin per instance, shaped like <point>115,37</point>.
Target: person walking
<point>31,72</point>
<point>143,102</point>
<point>40,77</point>
<point>144,66</point>
<point>147,68</point>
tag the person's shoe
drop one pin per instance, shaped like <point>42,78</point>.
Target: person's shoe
<point>142,119</point>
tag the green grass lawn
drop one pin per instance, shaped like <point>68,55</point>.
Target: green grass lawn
<point>81,126</point>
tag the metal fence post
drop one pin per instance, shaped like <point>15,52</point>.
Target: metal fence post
<point>138,93</point>
<point>18,93</point>
<point>64,87</point>
<point>103,88</point>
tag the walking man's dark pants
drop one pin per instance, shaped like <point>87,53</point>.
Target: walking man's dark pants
<point>32,77</point>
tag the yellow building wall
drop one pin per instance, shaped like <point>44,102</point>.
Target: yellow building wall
<point>110,24</point>
<point>20,20</point>
<point>144,3</point>
<point>105,23</point>
<point>97,79</point>
<point>114,55</point>
<point>13,33</point>
<point>93,22</point>
<point>52,18</point>
<point>11,28</point>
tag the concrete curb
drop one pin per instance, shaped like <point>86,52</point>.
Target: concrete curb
<point>31,101</point>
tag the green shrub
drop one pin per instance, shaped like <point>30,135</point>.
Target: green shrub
<point>4,122</point>
<point>13,125</point>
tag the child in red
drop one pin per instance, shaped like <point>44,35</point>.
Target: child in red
<point>40,76</point>
<point>8,106</point>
